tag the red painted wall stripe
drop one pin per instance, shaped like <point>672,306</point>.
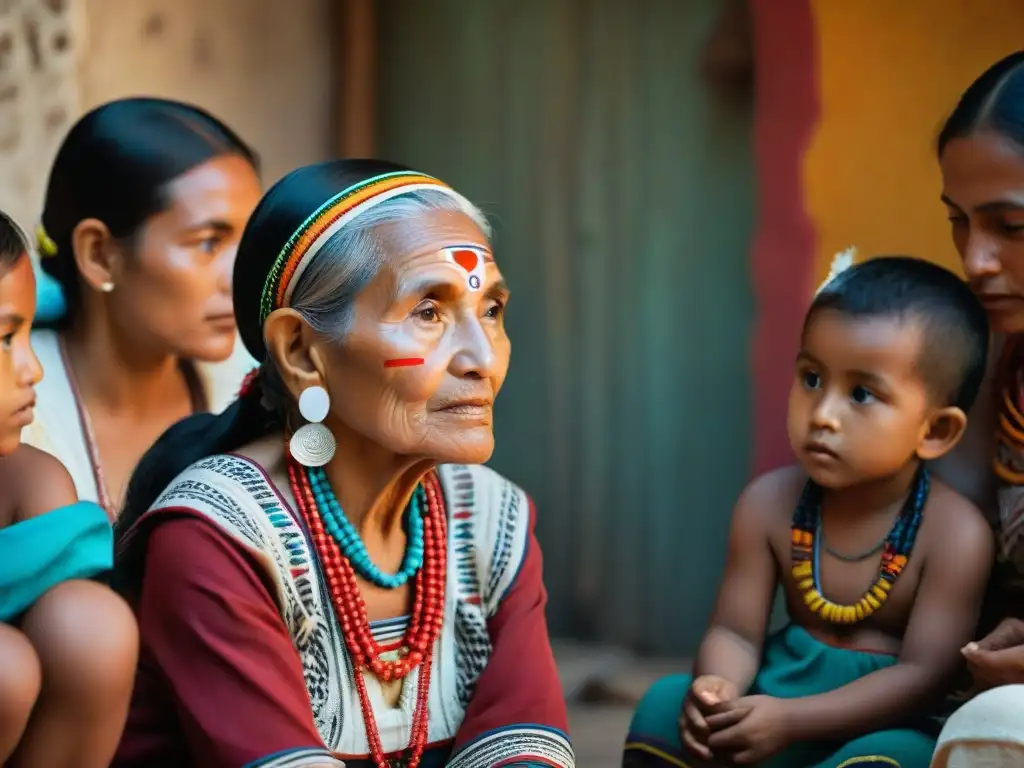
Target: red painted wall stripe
<point>786,113</point>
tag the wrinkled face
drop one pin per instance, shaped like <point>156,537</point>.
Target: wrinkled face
<point>427,352</point>
<point>174,292</point>
<point>983,189</point>
<point>19,369</point>
<point>858,409</point>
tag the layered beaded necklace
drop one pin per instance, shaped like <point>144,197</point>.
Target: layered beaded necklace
<point>342,555</point>
<point>806,544</point>
<point>347,537</point>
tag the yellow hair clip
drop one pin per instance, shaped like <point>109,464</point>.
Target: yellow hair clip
<point>44,242</point>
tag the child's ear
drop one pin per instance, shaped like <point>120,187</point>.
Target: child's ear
<point>944,430</point>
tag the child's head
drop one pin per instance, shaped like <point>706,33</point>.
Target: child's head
<point>892,355</point>
<point>19,368</point>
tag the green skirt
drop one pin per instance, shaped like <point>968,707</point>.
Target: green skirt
<point>794,665</point>
<point>72,542</point>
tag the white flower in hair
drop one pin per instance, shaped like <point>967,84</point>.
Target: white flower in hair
<point>840,262</point>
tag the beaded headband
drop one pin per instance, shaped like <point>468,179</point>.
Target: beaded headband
<point>327,221</point>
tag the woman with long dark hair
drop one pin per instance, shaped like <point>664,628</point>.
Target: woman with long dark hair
<point>981,154</point>
<point>323,572</point>
<point>145,205</point>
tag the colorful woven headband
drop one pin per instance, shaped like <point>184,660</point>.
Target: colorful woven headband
<point>303,246</point>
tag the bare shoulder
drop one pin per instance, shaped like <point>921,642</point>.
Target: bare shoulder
<point>767,502</point>
<point>38,482</point>
<point>953,526</point>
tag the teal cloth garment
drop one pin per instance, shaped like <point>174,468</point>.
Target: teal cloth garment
<point>794,665</point>
<point>72,542</point>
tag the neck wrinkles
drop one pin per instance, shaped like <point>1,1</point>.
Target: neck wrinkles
<point>373,485</point>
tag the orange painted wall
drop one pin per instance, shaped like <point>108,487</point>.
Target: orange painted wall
<point>889,72</point>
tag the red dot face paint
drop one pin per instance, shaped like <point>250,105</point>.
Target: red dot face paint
<point>472,261</point>
<point>403,362</point>
<point>466,259</point>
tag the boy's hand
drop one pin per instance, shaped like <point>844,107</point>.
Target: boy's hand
<point>750,729</point>
<point>707,693</point>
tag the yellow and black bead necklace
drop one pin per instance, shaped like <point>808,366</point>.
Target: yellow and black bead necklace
<point>806,546</point>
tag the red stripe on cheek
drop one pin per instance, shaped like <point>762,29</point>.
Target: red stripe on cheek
<point>403,362</point>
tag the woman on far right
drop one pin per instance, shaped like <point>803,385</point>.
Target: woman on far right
<point>981,153</point>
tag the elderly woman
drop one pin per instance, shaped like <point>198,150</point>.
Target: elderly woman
<point>323,574</point>
<point>981,152</point>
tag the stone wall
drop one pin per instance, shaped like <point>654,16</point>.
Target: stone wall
<point>264,66</point>
<point>41,45</point>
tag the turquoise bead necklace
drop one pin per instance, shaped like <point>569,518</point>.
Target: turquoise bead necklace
<point>352,547</point>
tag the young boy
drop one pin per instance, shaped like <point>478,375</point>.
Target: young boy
<point>883,567</point>
<point>68,645</point>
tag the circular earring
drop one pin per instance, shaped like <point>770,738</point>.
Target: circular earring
<point>313,445</point>
<point>107,287</point>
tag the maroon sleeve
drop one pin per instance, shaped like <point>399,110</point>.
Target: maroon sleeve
<point>212,627</point>
<point>518,696</point>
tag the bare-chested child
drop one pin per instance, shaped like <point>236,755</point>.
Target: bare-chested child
<point>68,644</point>
<point>882,566</point>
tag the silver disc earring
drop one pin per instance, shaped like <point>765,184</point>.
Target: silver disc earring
<point>313,445</point>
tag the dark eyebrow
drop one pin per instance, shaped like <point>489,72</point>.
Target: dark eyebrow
<point>999,206</point>
<point>499,290</point>
<point>13,319</point>
<point>994,206</point>
<point>429,286</point>
<point>806,357</point>
<point>872,379</point>
<point>441,288</point>
<point>217,225</point>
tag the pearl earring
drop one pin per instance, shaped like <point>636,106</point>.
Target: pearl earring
<point>107,286</point>
<point>313,445</point>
